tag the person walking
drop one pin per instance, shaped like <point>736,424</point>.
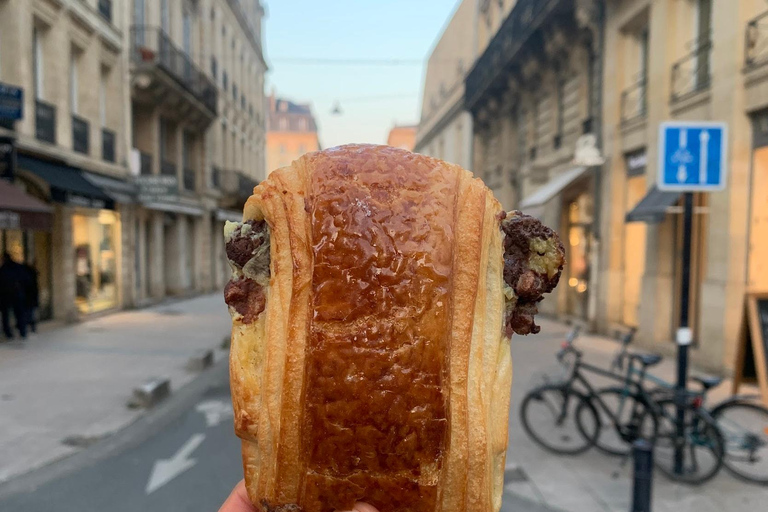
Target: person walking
<point>14,284</point>
<point>33,296</point>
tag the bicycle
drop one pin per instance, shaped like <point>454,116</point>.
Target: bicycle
<point>566,408</point>
<point>637,416</point>
<point>742,422</point>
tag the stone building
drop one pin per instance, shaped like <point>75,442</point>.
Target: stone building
<point>402,136</point>
<point>445,127</point>
<point>117,94</point>
<point>291,132</point>
<point>693,60</point>
<point>534,94</point>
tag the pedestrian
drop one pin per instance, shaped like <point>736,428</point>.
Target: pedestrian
<point>14,284</point>
<point>33,296</point>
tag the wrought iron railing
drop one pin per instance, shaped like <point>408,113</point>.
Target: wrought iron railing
<point>216,177</point>
<point>152,45</point>
<point>45,121</point>
<point>145,166</point>
<point>189,179</point>
<point>633,101</point>
<point>107,145</point>
<point>523,20</point>
<point>691,74</point>
<point>167,168</point>
<point>756,43</point>
<point>80,134</point>
<point>105,9</point>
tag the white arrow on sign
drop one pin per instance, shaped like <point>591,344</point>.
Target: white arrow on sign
<point>166,470</point>
<point>215,411</point>
<point>704,139</point>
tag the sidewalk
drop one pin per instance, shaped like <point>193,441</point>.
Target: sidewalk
<point>74,381</point>
<point>593,482</point>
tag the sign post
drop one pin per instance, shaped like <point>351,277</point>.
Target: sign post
<point>692,158</point>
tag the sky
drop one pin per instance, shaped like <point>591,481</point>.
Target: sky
<point>373,97</point>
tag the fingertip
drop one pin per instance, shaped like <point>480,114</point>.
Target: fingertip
<point>364,507</point>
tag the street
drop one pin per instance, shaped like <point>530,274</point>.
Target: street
<point>190,463</point>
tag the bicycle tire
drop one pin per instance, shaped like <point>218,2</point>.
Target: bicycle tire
<point>756,437</point>
<point>610,440</point>
<point>561,403</point>
<point>701,431</point>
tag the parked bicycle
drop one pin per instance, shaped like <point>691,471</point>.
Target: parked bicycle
<point>564,418</point>
<point>742,421</point>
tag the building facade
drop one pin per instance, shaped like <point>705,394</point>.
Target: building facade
<point>402,136</point>
<point>534,94</point>
<point>132,148</point>
<point>445,127</point>
<point>691,60</point>
<point>291,132</point>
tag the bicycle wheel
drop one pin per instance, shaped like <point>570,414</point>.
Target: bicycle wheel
<point>744,426</point>
<point>702,445</point>
<point>548,417</point>
<point>634,419</point>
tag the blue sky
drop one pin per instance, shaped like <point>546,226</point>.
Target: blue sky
<point>353,29</point>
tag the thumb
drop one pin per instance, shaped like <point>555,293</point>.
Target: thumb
<point>363,507</point>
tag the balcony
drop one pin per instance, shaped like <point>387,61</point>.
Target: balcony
<point>165,75</point>
<point>145,166</point>
<point>189,179</point>
<point>105,9</point>
<point>756,44</point>
<point>691,74</point>
<point>167,168</point>
<point>80,134</point>
<point>107,145</point>
<point>45,122</point>
<point>490,69</point>
<point>633,101</point>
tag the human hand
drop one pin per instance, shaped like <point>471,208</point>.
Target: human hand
<point>238,502</point>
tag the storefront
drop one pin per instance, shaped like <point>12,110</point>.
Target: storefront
<point>96,241</point>
<point>25,234</point>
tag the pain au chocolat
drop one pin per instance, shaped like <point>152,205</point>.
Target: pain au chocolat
<point>373,296</point>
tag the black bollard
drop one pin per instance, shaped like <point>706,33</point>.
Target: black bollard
<point>643,476</point>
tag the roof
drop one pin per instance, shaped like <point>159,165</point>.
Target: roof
<point>290,107</point>
<point>287,116</point>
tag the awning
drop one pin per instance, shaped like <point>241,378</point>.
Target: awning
<point>181,208</point>
<point>68,184</point>
<point>653,207</point>
<point>119,190</point>
<point>552,188</point>
<point>231,215</point>
<point>19,210</point>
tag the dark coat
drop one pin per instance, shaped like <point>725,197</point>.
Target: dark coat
<point>14,284</point>
<point>33,290</point>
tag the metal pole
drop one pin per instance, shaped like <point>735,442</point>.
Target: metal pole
<point>684,335</point>
<point>643,476</point>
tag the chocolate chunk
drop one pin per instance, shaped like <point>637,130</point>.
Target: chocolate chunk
<point>247,297</point>
<point>241,247</point>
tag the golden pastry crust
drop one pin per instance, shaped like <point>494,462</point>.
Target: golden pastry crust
<point>379,370</point>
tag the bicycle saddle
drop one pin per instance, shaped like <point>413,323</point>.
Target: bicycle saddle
<point>647,359</point>
<point>707,381</point>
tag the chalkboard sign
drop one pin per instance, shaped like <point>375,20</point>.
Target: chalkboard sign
<point>752,355</point>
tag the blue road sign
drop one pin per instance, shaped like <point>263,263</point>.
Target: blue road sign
<point>11,102</point>
<point>692,156</point>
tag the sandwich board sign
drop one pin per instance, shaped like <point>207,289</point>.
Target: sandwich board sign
<point>692,156</point>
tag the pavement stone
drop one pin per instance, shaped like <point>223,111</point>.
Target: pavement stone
<point>75,380</point>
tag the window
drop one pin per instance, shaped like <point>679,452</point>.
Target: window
<point>138,13</point>
<point>165,16</point>
<point>73,85</point>
<point>302,124</point>
<point>560,110</point>
<point>282,124</point>
<point>234,91</point>
<point>103,97</point>
<point>186,21</point>
<point>282,149</point>
<point>214,68</point>
<point>37,56</point>
<point>225,80</point>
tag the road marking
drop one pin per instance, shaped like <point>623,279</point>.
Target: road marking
<point>215,411</point>
<point>704,143</point>
<point>166,470</point>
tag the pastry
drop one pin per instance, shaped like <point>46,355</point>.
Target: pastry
<point>373,295</point>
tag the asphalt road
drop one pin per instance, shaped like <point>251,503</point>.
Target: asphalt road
<point>183,457</point>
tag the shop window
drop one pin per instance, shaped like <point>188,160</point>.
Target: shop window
<point>579,221</point>
<point>634,253</point>
<point>95,240</point>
